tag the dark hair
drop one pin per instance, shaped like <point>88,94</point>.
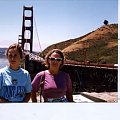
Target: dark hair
<point>18,47</point>
<point>49,54</point>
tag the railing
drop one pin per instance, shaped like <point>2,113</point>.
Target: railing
<point>97,78</point>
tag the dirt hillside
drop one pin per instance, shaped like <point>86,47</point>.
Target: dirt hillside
<point>99,46</point>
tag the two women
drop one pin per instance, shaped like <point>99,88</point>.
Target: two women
<point>15,82</point>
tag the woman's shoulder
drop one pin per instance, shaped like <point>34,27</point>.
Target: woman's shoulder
<point>38,76</point>
<point>2,70</point>
<point>41,73</point>
<point>63,72</point>
<point>23,70</point>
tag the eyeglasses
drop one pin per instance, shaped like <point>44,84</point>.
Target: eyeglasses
<point>56,59</point>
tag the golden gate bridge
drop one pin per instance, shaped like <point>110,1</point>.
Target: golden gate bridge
<point>85,77</point>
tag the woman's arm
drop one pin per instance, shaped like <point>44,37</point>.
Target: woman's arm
<point>35,86</point>
<point>69,97</point>
<point>2,100</point>
<point>27,97</point>
<point>33,96</point>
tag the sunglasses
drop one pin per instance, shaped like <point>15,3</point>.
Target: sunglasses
<point>56,59</point>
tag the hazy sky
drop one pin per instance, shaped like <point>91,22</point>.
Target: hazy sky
<point>56,20</point>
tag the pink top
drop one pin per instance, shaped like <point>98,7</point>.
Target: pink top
<point>55,86</point>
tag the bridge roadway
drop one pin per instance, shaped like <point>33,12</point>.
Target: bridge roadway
<point>36,57</point>
<point>33,56</point>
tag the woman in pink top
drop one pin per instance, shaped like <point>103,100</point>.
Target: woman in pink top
<point>57,84</point>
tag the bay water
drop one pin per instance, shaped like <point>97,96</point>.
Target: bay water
<point>3,62</point>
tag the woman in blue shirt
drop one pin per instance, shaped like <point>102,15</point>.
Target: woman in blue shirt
<point>15,82</point>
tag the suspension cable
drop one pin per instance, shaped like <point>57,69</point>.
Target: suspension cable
<point>37,34</point>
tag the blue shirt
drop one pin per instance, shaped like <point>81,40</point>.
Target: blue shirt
<point>14,84</point>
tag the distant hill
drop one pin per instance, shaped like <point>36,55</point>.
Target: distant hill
<point>2,52</point>
<point>99,46</point>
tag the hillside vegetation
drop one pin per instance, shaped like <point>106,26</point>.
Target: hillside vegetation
<point>99,46</point>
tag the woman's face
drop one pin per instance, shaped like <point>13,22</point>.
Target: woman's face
<point>14,58</point>
<point>55,60</point>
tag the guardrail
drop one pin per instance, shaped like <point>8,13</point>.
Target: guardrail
<point>89,78</point>
<point>85,77</point>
